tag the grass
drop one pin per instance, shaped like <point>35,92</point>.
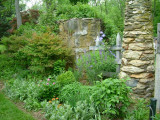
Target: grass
<point>9,111</point>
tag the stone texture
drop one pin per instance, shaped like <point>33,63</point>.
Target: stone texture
<point>128,40</point>
<point>142,75</point>
<point>129,54</point>
<point>132,69</point>
<point>140,46</point>
<point>150,68</point>
<point>146,80</point>
<point>132,82</point>
<point>138,55</point>
<point>123,75</point>
<point>139,63</point>
<point>79,34</point>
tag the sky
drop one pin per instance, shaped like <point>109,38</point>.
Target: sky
<point>30,3</point>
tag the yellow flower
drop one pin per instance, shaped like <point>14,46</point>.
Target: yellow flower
<point>50,101</point>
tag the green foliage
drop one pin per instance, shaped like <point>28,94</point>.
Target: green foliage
<point>75,92</point>
<point>156,14</point>
<point>14,43</point>
<point>112,21</point>
<point>95,63</point>
<point>111,96</point>
<point>76,1</point>
<point>42,51</point>
<point>35,92</point>
<point>2,48</point>
<point>59,66</point>
<point>82,111</point>
<point>140,111</point>
<point>37,52</point>
<point>9,111</point>
<point>66,78</point>
<point>157,117</point>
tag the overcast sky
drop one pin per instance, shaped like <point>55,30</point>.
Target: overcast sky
<point>30,3</point>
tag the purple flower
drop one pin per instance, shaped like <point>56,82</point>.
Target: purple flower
<point>53,83</point>
<point>103,35</point>
<point>100,52</point>
<point>101,32</point>
<point>112,53</point>
<point>100,39</point>
<point>47,83</point>
<point>91,66</point>
<point>48,79</point>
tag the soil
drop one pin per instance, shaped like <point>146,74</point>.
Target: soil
<point>38,115</point>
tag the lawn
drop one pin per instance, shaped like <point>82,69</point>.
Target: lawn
<point>8,111</point>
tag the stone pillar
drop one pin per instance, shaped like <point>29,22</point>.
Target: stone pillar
<point>138,55</point>
<point>79,34</point>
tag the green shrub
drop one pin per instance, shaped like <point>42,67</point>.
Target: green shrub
<point>32,92</point>
<point>94,63</point>
<point>139,111</point>
<point>14,43</point>
<point>82,111</point>
<point>66,78</point>
<point>111,96</point>
<point>42,51</point>
<point>59,66</point>
<point>75,92</point>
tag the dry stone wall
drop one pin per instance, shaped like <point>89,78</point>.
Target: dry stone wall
<point>138,55</point>
<point>79,34</point>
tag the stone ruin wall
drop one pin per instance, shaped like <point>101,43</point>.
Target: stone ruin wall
<point>138,55</point>
<point>79,34</point>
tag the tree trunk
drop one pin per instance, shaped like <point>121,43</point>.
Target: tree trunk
<point>18,14</point>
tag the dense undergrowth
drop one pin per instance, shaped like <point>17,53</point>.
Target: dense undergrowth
<point>37,68</point>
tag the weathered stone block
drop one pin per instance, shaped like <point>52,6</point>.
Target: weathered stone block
<point>142,75</point>
<point>140,46</point>
<point>129,54</point>
<point>146,80</point>
<point>132,69</point>
<point>132,82</point>
<point>138,63</point>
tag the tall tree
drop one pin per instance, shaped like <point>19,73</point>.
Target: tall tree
<point>18,14</point>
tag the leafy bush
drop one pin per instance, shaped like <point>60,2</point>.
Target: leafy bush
<point>35,92</point>
<point>140,111</point>
<point>66,78</point>
<point>39,52</point>
<point>111,96</point>
<point>59,66</point>
<point>75,92</point>
<point>14,43</point>
<point>82,111</point>
<point>95,63</point>
<point>112,22</point>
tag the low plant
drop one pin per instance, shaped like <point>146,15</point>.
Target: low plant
<point>65,78</point>
<point>35,93</point>
<point>75,92</point>
<point>59,66</point>
<point>111,97</point>
<point>94,63</point>
<point>140,111</point>
<point>82,111</point>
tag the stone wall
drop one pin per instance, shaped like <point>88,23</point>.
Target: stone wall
<point>138,55</point>
<point>79,34</point>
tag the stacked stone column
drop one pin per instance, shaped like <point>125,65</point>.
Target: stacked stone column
<point>138,55</point>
